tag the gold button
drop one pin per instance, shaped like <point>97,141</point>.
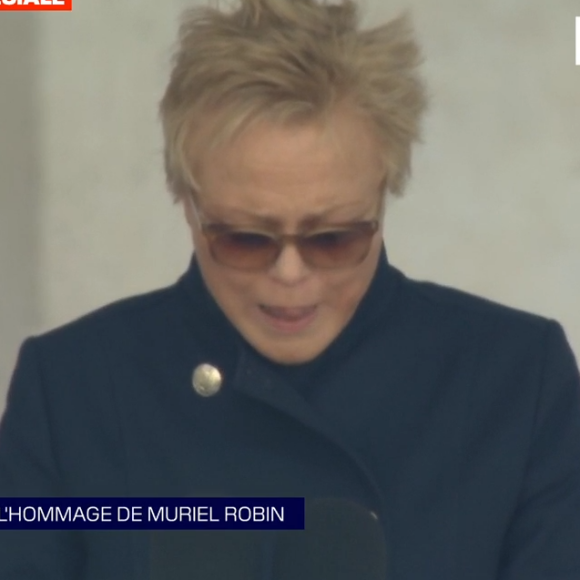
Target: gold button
<point>207,380</point>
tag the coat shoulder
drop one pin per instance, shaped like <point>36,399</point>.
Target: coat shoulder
<point>450,306</point>
<point>117,318</point>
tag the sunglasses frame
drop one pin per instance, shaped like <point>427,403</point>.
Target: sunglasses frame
<point>211,231</point>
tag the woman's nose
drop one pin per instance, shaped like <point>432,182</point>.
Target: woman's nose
<point>289,267</point>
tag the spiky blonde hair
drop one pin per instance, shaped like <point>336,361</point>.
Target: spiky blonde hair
<point>289,61</point>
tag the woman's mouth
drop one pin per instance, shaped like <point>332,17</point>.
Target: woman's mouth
<point>288,319</point>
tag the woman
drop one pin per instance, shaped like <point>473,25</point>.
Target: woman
<point>292,359</point>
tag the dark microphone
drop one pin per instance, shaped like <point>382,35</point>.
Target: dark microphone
<point>341,541</point>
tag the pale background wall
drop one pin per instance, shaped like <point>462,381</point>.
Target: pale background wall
<point>493,206</point>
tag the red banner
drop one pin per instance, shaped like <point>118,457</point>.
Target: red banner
<point>6,5</point>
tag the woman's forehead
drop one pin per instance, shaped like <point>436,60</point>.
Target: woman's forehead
<point>269,217</point>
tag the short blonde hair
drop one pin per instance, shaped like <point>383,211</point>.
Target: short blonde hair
<point>289,61</point>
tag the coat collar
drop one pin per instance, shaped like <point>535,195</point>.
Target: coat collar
<point>224,344</point>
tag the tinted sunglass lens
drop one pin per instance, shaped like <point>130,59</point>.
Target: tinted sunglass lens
<point>244,250</point>
<point>336,249</point>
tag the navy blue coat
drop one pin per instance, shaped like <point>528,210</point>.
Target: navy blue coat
<point>454,419</point>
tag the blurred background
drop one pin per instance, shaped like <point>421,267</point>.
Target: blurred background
<point>493,206</point>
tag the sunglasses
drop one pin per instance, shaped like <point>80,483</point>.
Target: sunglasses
<point>338,246</point>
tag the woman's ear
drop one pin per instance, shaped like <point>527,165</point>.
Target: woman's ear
<point>189,211</point>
